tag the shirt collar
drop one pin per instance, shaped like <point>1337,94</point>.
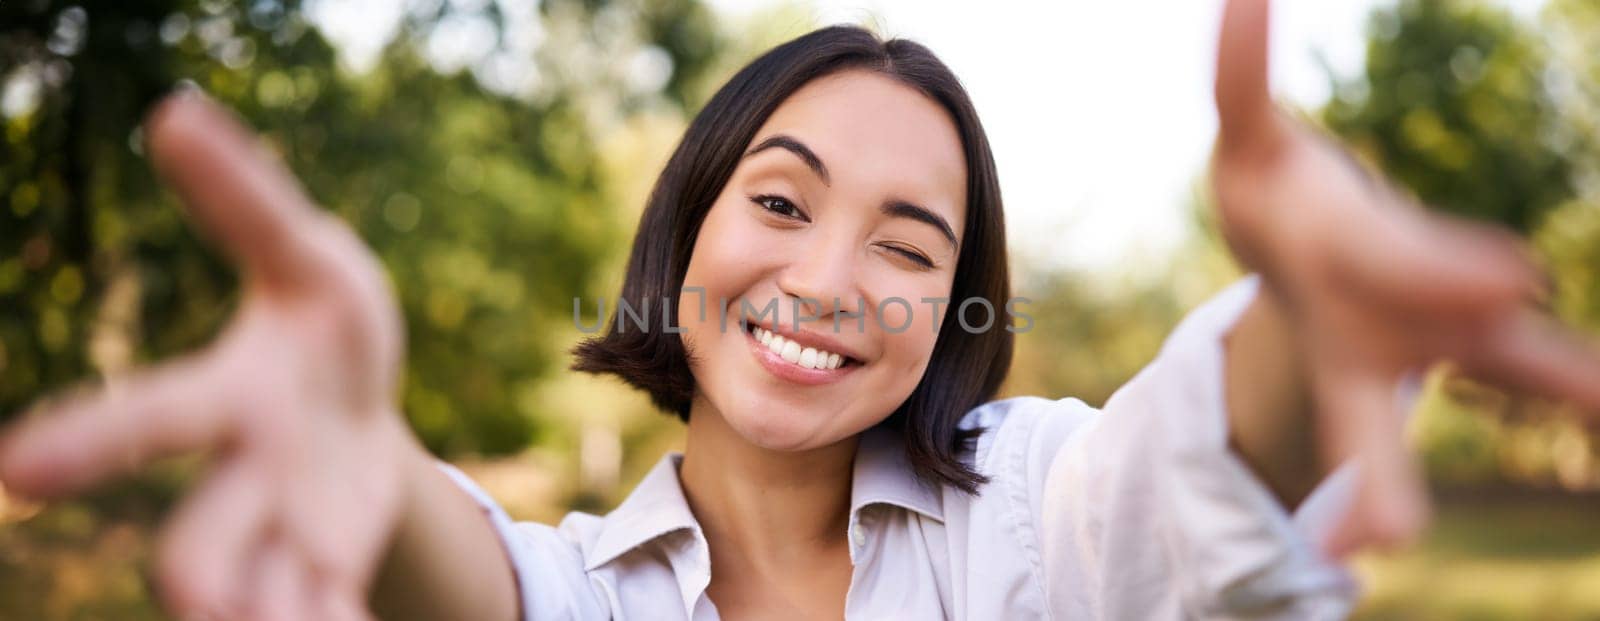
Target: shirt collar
<point>882,474</point>
<point>656,508</point>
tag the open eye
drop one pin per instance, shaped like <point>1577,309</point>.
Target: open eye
<point>779,205</point>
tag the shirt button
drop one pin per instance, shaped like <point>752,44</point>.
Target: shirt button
<point>859,535</point>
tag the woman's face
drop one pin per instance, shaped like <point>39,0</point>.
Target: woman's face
<point>848,205</point>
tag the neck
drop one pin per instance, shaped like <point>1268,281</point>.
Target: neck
<point>764,511</point>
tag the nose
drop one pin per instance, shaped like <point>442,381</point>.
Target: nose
<point>823,279</point>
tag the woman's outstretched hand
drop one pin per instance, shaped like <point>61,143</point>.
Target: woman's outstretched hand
<point>293,402</point>
<point>1371,287</point>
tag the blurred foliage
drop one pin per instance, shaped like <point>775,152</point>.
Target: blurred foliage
<point>498,186</point>
<point>495,184</point>
<point>1482,115</point>
<point>486,205</point>
<point>1092,332</point>
<point>1492,557</point>
<point>1453,106</point>
<point>1477,114</point>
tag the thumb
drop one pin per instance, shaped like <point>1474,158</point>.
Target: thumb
<point>1390,506</point>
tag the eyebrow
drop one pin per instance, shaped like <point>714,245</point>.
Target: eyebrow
<point>893,208</point>
<point>903,209</point>
<point>788,143</point>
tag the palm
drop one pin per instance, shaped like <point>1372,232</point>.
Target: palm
<point>1374,285</point>
<point>292,400</point>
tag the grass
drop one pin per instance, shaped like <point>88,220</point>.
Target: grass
<point>1486,558</point>
<point>1534,559</point>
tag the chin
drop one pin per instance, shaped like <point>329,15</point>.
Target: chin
<point>779,428</point>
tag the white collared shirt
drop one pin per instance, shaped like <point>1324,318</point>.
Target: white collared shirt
<point>1139,511</point>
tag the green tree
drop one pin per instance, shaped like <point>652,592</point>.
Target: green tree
<point>1453,105</point>
<point>485,199</point>
<point>1570,241</point>
<point>1480,114</point>
<point>486,193</point>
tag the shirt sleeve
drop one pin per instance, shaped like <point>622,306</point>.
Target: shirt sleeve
<point>547,564</point>
<point>1148,514</point>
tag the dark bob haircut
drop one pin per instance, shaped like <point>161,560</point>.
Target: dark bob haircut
<point>965,370</point>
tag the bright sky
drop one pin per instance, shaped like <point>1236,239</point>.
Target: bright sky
<point>1099,112</point>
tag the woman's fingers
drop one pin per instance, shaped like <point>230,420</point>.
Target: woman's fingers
<point>281,586</point>
<point>1532,353</point>
<point>339,509</point>
<point>342,605</point>
<point>94,434</point>
<point>207,544</point>
<point>233,187</point>
<point>1408,262</point>
<point>1390,504</point>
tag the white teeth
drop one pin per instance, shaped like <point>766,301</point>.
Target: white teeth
<point>807,357</point>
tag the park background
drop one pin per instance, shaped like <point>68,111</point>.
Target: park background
<point>495,154</point>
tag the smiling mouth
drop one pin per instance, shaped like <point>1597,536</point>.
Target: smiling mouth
<point>797,354</point>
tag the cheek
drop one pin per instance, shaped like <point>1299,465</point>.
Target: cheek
<point>910,329</point>
<point>723,263</point>
<point>731,255</point>
<point>903,371</point>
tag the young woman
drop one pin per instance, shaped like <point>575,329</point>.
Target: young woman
<point>855,471</point>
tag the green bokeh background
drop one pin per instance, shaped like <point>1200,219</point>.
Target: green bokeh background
<point>493,205</point>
